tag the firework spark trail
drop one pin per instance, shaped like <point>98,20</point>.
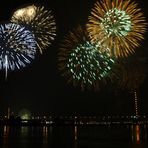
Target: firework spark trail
<point>6,66</point>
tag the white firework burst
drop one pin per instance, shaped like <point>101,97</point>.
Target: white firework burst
<point>17,47</point>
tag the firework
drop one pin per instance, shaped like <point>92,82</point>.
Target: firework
<point>128,76</point>
<point>120,25</point>
<point>17,47</point>
<point>81,62</point>
<point>40,21</point>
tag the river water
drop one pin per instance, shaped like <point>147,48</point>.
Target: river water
<point>131,136</point>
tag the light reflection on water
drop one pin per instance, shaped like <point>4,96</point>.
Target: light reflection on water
<point>139,136</point>
<point>131,136</point>
<point>6,132</point>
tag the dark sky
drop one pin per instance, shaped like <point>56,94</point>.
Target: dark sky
<point>40,87</point>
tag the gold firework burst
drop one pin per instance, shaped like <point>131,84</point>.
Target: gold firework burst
<point>128,76</point>
<point>40,21</point>
<point>120,24</point>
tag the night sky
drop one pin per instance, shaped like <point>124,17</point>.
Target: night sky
<point>40,88</point>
